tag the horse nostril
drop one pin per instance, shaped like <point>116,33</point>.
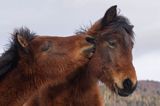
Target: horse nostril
<point>90,39</point>
<point>127,84</point>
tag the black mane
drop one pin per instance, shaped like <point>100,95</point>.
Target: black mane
<point>9,59</point>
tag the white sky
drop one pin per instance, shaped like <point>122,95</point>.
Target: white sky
<point>63,17</point>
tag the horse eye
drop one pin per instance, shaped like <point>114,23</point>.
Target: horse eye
<point>112,43</point>
<point>46,46</point>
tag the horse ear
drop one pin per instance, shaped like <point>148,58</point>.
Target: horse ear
<point>110,15</point>
<point>22,41</point>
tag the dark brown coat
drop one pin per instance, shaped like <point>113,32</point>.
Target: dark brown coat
<point>111,64</point>
<point>32,61</point>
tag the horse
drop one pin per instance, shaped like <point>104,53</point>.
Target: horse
<point>111,64</point>
<point>32,60</point>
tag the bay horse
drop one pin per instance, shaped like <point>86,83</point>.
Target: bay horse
<point>33,60</point>
<point>110,64</point>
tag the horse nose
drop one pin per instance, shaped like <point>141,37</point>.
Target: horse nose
<point>127,84</point>
<point>128,88</point>
<point>90,39</point>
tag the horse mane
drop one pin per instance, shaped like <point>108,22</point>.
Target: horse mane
<point>123,22</point>
<point>9,59</point>
<point>118,23</point>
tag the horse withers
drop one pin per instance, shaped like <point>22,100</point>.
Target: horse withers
<point>32,61</point>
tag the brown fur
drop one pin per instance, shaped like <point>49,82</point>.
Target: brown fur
<point>111,64</point>
<point>31,61</point>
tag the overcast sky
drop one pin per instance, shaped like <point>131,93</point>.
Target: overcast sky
<point>63,17</point>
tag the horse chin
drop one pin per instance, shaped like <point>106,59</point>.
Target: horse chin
<point>89,52</point>
<point>114,87</point>
<point>121,92</point>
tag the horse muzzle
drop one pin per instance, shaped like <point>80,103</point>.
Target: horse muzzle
<point>127,89</point>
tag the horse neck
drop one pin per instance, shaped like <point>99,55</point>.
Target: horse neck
<point>83,80</point>
<point>84,88</point>
<point>20,73</point>
<point>19,83</point>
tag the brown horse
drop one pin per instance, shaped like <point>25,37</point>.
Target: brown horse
<point>111,64</point>
<point>32,61</point>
